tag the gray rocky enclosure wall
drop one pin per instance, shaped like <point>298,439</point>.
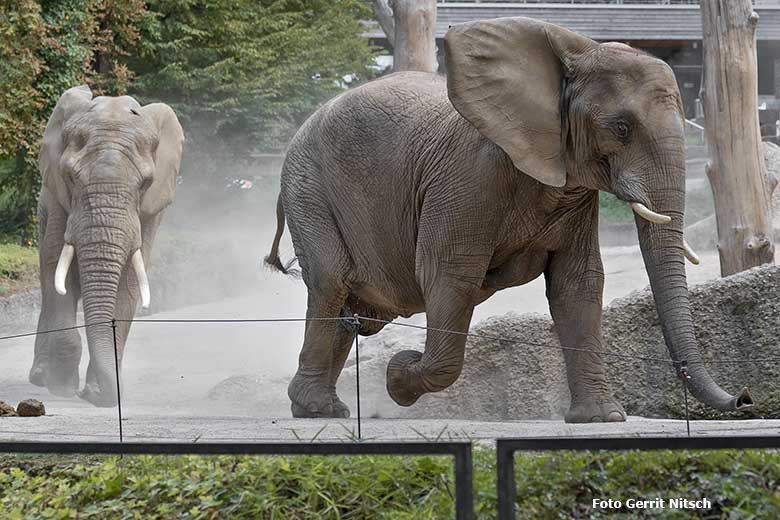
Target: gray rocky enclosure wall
<point>735,317</point>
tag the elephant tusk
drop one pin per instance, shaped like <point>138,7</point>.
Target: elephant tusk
<point>647,214</point>
<point>690,254</point>
<point>143,281</point>
<point>63,266</point>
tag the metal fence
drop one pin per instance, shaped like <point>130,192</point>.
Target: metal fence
<point>460,451</point>
<point>506,448</point>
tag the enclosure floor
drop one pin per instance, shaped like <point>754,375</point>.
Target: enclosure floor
<point>100,426</point>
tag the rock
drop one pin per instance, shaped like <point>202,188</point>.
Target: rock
<point>735,317</point>
<point>30,408</point>
<point>6,410</point>
<point>260,395</point>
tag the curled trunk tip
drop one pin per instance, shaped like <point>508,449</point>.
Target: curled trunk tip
<point>744,400</point>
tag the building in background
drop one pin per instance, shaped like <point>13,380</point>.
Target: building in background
<point>669,29</point>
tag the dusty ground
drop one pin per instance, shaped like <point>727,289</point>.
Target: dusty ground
<point>169,369</point>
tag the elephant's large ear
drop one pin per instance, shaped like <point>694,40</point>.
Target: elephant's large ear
<point>73,101</point>
<point>167,158</point>
<point>504,76</point>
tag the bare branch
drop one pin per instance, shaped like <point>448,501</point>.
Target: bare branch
<point>383,10</point>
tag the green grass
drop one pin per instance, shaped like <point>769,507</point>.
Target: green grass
<point>18,268</point>
<point>612,210</point>
<point>740,484</point>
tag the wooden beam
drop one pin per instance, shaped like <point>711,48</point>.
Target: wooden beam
<point>736,170</point>
<point>415,35</point>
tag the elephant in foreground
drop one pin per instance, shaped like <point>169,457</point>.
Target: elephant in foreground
<point>109,169</point>
<point>414,193</point>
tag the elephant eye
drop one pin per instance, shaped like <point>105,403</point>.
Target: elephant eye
<point>146,183</point>
<point>621,130</point>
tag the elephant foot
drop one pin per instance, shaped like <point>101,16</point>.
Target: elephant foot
<point>37,375</point>
<point>311,399</point>
<point>92,394</point>
<point>401,380</point>
<point>595,411</point>
<point>63,382</point>
<point>340,409</point>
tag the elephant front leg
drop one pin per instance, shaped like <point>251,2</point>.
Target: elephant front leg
<point>57,354</point>
<point>575,282</point>
<point>410,374</point>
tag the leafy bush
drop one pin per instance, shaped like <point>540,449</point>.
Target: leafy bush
<point>612,210</point>
<point>739,484</point>
<point>18,268</point>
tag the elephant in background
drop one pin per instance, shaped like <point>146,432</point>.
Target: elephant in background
<point>109,169</point>
<point>414,193</point>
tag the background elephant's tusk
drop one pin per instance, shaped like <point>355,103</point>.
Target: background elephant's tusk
<point>143,281</point>
<point>648,214</point>
<point>690,254</point>
<point>63,266</point>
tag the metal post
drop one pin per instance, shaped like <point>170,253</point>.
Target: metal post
<point>118,393</point>
<point>505,466</point>
<point>464,487</point>
<point>684,377</point>
<point>357,370</point>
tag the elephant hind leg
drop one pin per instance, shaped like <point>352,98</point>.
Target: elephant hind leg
<point>326,343</point>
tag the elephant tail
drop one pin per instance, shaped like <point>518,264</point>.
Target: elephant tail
<point>272,260</point>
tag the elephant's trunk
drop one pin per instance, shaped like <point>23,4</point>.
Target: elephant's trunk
<point>100,268</point>
<point>106,235</point>
<point>663,251</point>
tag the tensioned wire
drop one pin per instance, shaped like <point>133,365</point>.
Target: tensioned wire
<point>351,319</point>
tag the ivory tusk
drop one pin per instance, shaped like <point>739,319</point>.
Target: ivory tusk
<point>647,214</point>
<point>690,254</point>
<point>143,281</point>
<point>63,266</point>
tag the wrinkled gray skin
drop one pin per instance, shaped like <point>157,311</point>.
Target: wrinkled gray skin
<point>413,194</point>
<point>109,168</point>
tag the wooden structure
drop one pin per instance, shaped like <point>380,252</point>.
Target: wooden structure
<point>736,169</point>
<point>415,42</point>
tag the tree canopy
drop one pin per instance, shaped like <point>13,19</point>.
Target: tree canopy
<point>247,72</point>
<point>241,74</point>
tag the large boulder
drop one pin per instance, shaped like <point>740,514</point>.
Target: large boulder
<point>261,395</point>
<point>514,368</point>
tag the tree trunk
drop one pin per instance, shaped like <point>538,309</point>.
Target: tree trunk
<point>736,168</point>
<point>384,15</point>
<point>415,35</point>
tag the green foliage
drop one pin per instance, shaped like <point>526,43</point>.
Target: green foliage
<point>18,268</point>
<point>739,484</point>
<point>46,48</point>
<point>612,210</point>
<point>248,72</point>
<point>241,74</point>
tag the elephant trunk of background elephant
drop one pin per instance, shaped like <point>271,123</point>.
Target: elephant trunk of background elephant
<point>662,248</point>
<point>100,267</point>
<point>107,241</point>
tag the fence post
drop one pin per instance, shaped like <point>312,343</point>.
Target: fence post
<point>357,370</point>
<point>118,392</point>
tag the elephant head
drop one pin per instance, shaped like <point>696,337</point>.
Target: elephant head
<point>571,112</point>
<point>111,165</point>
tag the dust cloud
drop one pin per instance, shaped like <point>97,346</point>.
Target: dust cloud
<point>207,264</point>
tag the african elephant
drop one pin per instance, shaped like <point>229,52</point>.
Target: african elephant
<point>109,168</point>
<point>414,193</point>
